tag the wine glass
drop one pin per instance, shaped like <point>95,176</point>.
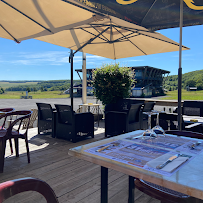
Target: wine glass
<point>158,129</point>
<point>149,134</point>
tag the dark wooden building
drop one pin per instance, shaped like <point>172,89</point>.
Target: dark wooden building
<point>148,81</point>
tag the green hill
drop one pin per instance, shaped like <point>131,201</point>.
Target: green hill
<point>50,85</point>
<point>191,79</point>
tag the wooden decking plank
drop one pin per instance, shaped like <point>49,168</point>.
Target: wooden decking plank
<point>87,190</point>
<point>20,165</point>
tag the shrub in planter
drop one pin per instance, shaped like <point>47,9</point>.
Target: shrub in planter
<point>112,83</point>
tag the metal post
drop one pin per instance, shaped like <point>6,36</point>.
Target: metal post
<point>84,80</point>
<point>180,69</point>
<point>71,84</point>
<point>104,184</point>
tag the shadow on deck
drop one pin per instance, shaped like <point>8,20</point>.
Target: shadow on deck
<point>72,179</point>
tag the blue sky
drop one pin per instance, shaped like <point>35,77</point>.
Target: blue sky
<point>36,60</point>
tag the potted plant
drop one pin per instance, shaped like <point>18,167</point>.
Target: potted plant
<point>112,83</point>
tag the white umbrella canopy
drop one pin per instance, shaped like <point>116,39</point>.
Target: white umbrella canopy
<point>113,38</point>
<point>25,19</point>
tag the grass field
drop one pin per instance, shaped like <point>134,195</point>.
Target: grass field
<point>171,95</point>
<point>186,95</point>
<point>8,84</point>
<point>35,95</point>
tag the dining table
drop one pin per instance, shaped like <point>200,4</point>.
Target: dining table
<point>138,156</point>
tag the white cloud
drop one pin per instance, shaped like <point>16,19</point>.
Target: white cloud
<point>39,58</point>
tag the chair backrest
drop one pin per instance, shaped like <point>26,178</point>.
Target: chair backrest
<point>3,112</point>
<point>148,106</point>
<point>193,108</point>
<point>122,105</point>
<point>13,187</point>
<point>169,120</point>
<point>7,110</point>
<point>185,133</point>
<point>33,118</point>
<point>45,111</point>
<point>21,116</point>
<point>134,112</point>
<point>65,114</point>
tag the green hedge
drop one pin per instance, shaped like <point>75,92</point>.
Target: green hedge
<point>112,83</point>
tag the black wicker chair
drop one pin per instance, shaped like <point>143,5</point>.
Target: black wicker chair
<point>125,119</point>
<point>46,118</point>
<point>169,121</point>
<point>72,126</point>
<point>191,108</point>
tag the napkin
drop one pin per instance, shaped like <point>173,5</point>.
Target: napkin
<point>170,167</point>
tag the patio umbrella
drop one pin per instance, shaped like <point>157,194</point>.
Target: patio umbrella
<point>113,38</point>
<point>156,15</point>
<point>151,14</point>
<point>26,19</point>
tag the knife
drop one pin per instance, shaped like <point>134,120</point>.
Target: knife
<point>103,148</point>
<point>168,161</point>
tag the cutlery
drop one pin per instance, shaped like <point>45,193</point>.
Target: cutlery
<point>195,144</point>
<point>103,148</point>
<point>168,161</point>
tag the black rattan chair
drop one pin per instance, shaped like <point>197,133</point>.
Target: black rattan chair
<point>169,121</point>
<point>46,118</point>
<point>126,120</point>
<point>72,126</point>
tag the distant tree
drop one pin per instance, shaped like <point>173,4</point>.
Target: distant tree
<point>34,89</point>
<point>42,89</point>
<point>2,90</point>
<point>190,83</point>
<point>199,86</point>
<point>28,89</point>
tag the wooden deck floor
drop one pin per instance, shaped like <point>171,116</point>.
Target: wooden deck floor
<point>72,179</point>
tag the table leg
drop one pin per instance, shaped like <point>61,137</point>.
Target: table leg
<point>104,184</point>
<point>131,190</point>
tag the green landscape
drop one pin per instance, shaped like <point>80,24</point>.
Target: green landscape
<point>191,79</point>
<point>56,88</point>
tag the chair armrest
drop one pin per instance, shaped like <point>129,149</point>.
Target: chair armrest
<point>84,115</point>
<point>116,112</point>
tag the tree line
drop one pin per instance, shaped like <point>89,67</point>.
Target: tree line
<point>190,79</point>
<point>52,85</point>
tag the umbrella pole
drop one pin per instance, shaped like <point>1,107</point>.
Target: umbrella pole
<point>180,70</point>
<point>71,84</point>
<point>84,79</point>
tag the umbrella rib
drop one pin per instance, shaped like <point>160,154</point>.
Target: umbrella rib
<point>148,11</point>
<point>161,40</point>
<point>10,34</point>
<point>131,42</point>
<point>99,32</point>
<point>93,34</point>
<point>26,16</point>
<point>125,28</point>
<point>89,41</point>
